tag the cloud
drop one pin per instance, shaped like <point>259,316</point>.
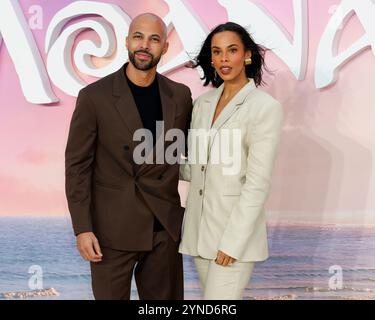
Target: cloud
<point>38,157</point>
<point>20,197</point>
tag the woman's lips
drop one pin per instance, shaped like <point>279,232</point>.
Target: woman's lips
<point>225,70</point>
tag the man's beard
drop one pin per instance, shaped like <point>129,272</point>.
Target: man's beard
<point>143,65</point>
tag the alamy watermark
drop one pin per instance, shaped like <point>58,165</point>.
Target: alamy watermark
<point>335,282</point>
<point>36,280</point>
<point>36,17</point>
<point>221,147</point>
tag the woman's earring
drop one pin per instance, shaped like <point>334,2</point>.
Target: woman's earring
<point>248,61</point>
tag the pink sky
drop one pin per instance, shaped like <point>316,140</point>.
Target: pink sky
<point>323,172</point>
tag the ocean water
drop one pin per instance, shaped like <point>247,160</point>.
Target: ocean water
<point>305,262</point>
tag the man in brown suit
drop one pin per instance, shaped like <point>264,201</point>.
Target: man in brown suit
<point>127,215</point>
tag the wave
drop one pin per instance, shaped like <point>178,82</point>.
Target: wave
<point>295,297</point>
<point>311,288</point>
<point>357,298</point>
<point>280,297</point>
<point>321,289</point>
<point>68,275</point>
<point>30,294</point>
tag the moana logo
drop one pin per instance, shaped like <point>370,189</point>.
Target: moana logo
<point>36,75</point>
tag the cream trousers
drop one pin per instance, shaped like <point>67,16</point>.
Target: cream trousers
<point>223,283</point>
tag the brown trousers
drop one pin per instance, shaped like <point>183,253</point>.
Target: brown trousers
<point>158,273</point>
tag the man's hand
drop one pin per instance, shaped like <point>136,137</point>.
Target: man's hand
<point>223,259</point>
<point>88,246</point>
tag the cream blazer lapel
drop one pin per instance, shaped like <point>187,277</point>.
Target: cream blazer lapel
<point>228,111</point>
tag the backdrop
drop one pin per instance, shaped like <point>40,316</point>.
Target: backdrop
<point>321,206</point>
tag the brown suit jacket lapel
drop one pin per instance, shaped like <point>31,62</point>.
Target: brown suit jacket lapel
<point>129,114</point>
<point>125,105</point>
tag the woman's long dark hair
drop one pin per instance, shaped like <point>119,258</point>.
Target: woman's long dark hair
<point>254,70</point>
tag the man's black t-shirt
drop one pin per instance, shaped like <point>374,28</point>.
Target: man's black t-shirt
<point>147,100</point>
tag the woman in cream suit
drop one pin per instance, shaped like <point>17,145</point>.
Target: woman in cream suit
<point>234,134</point>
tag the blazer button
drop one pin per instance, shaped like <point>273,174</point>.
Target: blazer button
<point>126,147</point>
<point>200,192</point>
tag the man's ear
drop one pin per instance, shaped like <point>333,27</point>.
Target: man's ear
<point>127,43</point>
<point>165,49</point>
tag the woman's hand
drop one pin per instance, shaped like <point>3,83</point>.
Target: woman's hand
<point>223,259</point>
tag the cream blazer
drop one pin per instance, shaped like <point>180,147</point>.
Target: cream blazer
<point>225,204</point>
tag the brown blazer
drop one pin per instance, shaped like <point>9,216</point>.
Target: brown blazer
<point>107,192</point>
